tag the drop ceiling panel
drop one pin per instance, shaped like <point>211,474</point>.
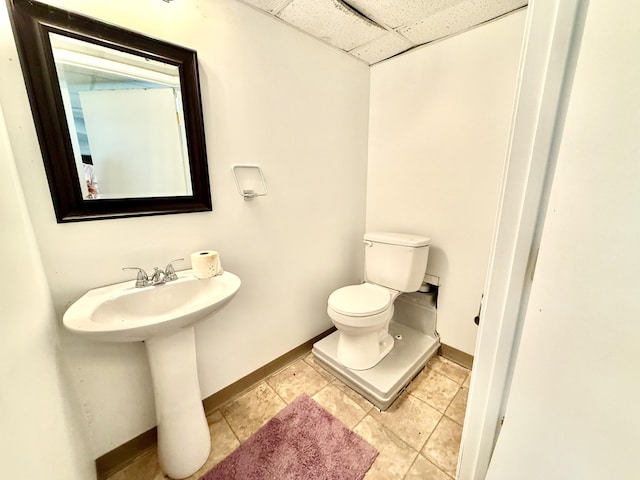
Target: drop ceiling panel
<point>397,13</point>
<point>457,18</point>
<point>382,48</point>
<point>374,30</point>
<point>331,21</point>
<point>268,5</point>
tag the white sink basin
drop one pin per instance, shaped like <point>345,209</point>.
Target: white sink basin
<point>162,316</point>
<point>123,313</point>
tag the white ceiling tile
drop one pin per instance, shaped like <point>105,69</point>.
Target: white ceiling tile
<point>457,18</point>
<point>396,13</point>
<point>361,27</point>
<point>267,5</point>
<point>381,48</point>
<point>330,21</point>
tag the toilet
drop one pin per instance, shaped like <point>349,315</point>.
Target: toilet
<point>394,263</point>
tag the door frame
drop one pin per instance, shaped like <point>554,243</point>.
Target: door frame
<point>549,52</point>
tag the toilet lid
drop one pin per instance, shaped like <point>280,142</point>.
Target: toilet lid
<point>360,300</point>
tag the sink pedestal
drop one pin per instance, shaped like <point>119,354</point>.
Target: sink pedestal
<point>162,317</point>
<point>183,433</point>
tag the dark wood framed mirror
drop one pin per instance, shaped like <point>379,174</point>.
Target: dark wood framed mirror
<point>118,116</point>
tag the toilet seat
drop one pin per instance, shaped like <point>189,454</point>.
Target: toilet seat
<point>362,313</point>
<point>360,300</point>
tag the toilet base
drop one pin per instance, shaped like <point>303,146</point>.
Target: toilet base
<point>383,383</point>
<point>361,352</point>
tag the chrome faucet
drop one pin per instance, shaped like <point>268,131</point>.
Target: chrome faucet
<point>158,277</point>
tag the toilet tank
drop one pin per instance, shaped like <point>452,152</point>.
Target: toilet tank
<point>396,260</point>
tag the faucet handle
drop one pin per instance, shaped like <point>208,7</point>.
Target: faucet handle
<point>142,279</point>
<point>170,272</point>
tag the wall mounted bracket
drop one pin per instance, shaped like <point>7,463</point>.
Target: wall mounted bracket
<point>249,178</point>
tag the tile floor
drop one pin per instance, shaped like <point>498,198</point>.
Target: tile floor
<point>418,437</point>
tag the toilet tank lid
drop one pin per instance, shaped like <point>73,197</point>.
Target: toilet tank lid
<point>404,239</point>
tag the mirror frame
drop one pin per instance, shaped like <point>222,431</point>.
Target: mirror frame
<point>32,22</point>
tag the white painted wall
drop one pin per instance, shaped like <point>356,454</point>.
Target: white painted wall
<point>40,436</point>
<point>271,96</point>
<point>439,126</point>
<point>573,406</point>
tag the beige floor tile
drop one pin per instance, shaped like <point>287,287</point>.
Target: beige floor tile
<point>340,405</point>
<point>443,446</point>
<point>398,433</point>
<point>297,378</point>
<point>145,467</point>
<point>449,369</point>
<point>249,412</point>
<point>395,457</point>
<point>458,406</point>
<point>434,388</point>
<point>223,441</point>
<point>365,404</point>
<point>467,382</point>
<point>423,469</point>
<point>410,418</point>
<point>311,360</point>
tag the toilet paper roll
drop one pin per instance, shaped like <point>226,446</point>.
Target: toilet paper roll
<point>206,264</point>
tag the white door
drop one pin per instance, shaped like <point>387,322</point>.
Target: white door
<point>572,411</point>
<point>548,59</point>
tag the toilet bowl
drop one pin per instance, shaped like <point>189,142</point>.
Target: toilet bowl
<point>362,314</point>
<point>394,263</point>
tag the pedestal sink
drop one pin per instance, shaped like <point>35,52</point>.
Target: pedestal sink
<point>162,317</point>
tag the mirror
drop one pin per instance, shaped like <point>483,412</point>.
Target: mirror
<point>118,116</point>
<point>125,119</point>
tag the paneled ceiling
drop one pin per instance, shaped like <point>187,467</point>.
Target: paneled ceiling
<point>375,30</point>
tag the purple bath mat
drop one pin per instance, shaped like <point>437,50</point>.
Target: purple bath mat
<point>303,441</point>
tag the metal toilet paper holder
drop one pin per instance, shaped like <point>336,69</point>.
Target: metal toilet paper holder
<point>250,175</point>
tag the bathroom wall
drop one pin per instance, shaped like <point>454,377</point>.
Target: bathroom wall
<point>439,126</point>
<point>41,434</point>
<point>271,96</point>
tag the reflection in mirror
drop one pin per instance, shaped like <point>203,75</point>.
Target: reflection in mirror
<point>118,116</point>
<point>125,120</point>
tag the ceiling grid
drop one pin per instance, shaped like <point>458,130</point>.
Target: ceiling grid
<point>375,30</point>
